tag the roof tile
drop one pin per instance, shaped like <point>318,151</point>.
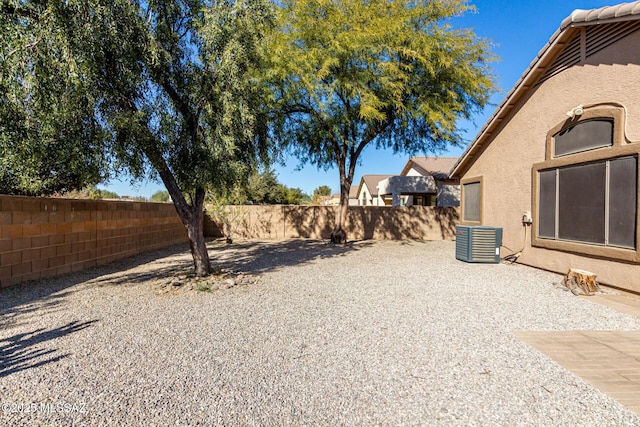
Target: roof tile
<point>436,166</point>
<point>607,12</point>
<point>371,181</point>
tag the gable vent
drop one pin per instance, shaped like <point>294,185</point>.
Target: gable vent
<point>569,57</point>
<point>597,37</point>
<point>601,36</point>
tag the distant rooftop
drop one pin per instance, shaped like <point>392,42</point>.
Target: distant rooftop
<point>353,192</point>
<point>371,181</point>
<point>439,167</point>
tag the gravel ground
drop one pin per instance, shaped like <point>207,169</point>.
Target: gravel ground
<point>372,333</point>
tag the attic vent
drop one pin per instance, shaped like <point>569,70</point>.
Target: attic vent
<point>569,57</point>
<point>601,36</point>
<point>597,38</point>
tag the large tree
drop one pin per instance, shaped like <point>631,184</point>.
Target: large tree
<point>50,141</point>
<point>348,73</point>
<point>164,85</point>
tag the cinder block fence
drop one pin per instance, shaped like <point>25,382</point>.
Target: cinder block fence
<point>43,237</point>
<point>317,222</point>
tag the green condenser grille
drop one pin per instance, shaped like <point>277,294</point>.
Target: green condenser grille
<point>478,244</point>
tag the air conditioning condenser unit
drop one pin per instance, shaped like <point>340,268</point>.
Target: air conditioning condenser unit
<point>478,244</point>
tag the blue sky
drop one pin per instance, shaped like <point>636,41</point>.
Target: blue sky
<point>517,30</point>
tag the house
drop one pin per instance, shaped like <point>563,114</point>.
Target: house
<point>556,165</point>
<point>353,195</point>
<point>424,181</point>
<point>333,200</point>
<point>368,191</point>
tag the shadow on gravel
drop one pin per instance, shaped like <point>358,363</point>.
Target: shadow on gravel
<point>248,256</point>
<point>45,295</point>
<point>24,351</point>
<point>263,256</point>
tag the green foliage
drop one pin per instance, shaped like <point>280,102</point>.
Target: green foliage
<point>98,193</point>
<point>291,196</point>
<point>50,139</point>
<point>160,196</point>
<point>264,188</point>
<point>166,85</point>
<point>162,87</point>
<point>261,188</point>
<point>323,190</point>
<point>348,73</point>
<point>319,193</point>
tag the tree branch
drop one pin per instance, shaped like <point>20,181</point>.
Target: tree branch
<point>23,12</point>
<point>371,135</point>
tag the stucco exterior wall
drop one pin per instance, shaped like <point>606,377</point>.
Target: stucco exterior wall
<point>416,171</point>
<point>448,194</point>
<point>367,199</point>
<point>505,164</point>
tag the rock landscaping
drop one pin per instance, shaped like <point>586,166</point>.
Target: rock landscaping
<point>298,332</point>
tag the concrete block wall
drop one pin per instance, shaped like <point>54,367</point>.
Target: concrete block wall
<point>317,222</point>
<point>43,237</point>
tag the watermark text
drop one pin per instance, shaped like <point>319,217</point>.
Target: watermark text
<point>43,407</point>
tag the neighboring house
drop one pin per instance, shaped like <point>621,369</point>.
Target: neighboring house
<point>368,191</point>
<point>424,181</point>
<point>562,150</point>
<point>334,200</point>
<point>353,195</point>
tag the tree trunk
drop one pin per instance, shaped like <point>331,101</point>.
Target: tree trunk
<point>195,231</point>
<point>339,235</point>
<point>191,216</point>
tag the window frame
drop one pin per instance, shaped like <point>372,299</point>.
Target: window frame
<point>620,148</point>
<point>556,219</point>
<point>607,120</point>
<point>472,180</point>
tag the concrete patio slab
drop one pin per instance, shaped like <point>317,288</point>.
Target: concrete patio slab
<point>608,360</point>
<point>625,303</point>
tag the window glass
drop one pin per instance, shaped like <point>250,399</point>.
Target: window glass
<point>586,135</point>
<point>581,203</point>
<point>591,203</point>
<point>547,204</point>
<point>471,201</point>
<point>622,201</point>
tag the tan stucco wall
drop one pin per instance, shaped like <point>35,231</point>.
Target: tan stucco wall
<point>612,75</point>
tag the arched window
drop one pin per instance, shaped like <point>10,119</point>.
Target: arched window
<point>586,135</point>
